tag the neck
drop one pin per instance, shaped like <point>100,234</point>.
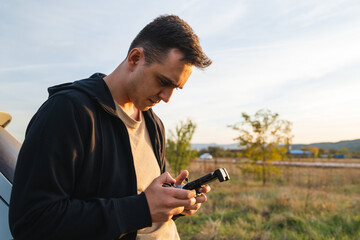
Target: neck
<point>116,82</point>
<point>131,110</point>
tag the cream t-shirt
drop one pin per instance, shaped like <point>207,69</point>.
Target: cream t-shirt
<point>147,169</point>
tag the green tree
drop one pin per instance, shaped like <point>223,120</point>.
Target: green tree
<point>178,146</point>
<point>216,152</point>
<point>262,135</point>
<point>314,150</point>
<point>283,152</point>
<point>332,152</point>
<point>322,151</point>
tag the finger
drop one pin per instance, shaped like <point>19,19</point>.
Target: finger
<point>165,178</point>
<point>201,198</point>
<point>174,202</point>
<point>176,211</point>
<point>192,210</point>
<point>180,179</point>
<point>205,189</point>
<point>181,193</point>
<point>188,203</point>
<point>187,212</point>
<point>194,207</point>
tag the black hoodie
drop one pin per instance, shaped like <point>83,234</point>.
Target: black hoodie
<point>75,176</point>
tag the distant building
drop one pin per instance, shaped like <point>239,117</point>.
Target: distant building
<point>206,156</point>
<point>300,153</point>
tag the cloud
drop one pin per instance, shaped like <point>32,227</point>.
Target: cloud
<point>213,17</point>
<point>310,12</point>
<point>290,57</point>
<point>296,77</point>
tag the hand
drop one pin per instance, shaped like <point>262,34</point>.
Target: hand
<point>164,202</point>
<point>201,198</point>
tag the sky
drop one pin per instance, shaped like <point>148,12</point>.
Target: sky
<point>300,59</point>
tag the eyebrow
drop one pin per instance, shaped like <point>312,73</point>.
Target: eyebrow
<point>169,82</point>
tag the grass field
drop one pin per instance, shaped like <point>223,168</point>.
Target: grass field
<point>299,203</point>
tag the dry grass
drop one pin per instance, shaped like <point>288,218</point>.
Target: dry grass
<point>300,203</point>
<point>330,160</point>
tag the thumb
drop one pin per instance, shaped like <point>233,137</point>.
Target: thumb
<point>180,179</point>
<point>165,178</point>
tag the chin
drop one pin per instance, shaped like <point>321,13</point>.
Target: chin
<point>146,108</point>
<point>143,108</point>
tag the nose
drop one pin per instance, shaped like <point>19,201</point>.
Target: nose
<point>165,94</point>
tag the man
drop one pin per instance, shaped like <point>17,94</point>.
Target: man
<point>92,164</point>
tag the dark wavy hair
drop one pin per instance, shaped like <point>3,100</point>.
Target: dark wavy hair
<point>167,32</point>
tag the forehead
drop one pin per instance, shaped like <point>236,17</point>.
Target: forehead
<point>174,68</point>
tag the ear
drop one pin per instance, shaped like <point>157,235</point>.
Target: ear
<point>135,57</point>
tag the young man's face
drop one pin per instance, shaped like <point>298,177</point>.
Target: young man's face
<point>152,83</point>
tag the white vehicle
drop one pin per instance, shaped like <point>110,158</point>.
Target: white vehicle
<point>206,156</point>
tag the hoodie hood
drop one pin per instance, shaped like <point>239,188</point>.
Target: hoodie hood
<point>94,86</point>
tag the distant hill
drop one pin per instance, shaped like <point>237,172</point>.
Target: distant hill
<point>351,145</point>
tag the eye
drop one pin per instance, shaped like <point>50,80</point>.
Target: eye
<point>163,82</point>
<point>167,83</point>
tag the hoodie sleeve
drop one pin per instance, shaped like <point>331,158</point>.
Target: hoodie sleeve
<point>41,205</point>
